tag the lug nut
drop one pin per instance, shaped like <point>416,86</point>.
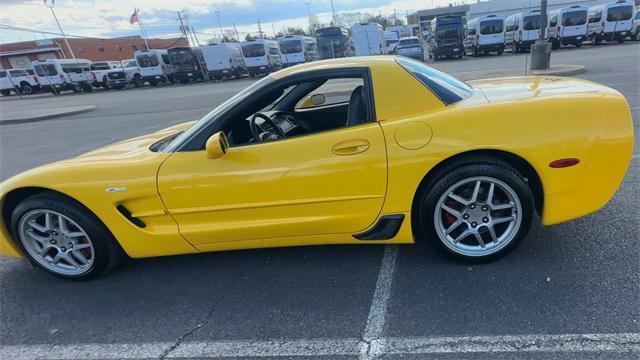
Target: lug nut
<point>484,208</point>
<point>474,224</point>
<point>53,241</point>
<point>472,206</point>
<point>465,216</point>
<point>63,248</point>
<point>485,219</point>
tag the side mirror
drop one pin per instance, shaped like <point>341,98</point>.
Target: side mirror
<point>217,145</point>
<point>318,99</point>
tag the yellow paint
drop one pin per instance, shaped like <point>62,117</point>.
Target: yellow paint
<point>324,187</point>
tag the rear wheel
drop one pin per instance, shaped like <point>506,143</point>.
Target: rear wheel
<point>595,40</point>
<point>137,81</point>
<point>516,48</point>
<point>476,212</point>
<point>26,88</point>
<point>63,238</point>
<point>105,83</point>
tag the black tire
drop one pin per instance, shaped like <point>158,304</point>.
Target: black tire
<point>108,254</point>
<point>105,83</point>
<point>137,81</point>
<point>26,88</point>
<point>595,40</point>
<point>555,45</point>
<point>430,193</point>
<point>637,36</point>
<point>5,92</point>
<point>516,48</point>
<point>621,40</point>
<point>500,52</point>
<point>153,83</point>
<point>578,45</point>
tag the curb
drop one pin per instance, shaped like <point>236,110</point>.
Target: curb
<point>561,70</point>
<point>22,120</point>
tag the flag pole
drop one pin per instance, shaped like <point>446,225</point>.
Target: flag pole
<point>142,29</point>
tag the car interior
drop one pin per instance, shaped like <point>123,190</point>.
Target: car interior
<point>310,106</point>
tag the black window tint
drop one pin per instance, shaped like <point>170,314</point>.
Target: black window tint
<point>447,88</point>
<point>620,13</point>
<point>489,27</point>
<point>253,50</point>
<point>574,18</point>
<point>531,22</point>
<point>595,16</point>
<point>3,74</point>
<point>146,60</point>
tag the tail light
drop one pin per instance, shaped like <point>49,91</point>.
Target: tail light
<point>602,25</point>
<point>62,78</point>
<point>35,78</point>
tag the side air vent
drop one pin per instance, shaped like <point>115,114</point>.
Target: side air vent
<point>127,214</point>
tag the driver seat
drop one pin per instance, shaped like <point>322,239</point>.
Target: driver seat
<point>357,110</point>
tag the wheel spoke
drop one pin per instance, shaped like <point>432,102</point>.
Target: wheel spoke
<point>75,234</point>
<point>48,221</point>
<point>81,246</point>
<point>38,238</point>
<point>451,211</point>
<point>490,194</point>
<point>492,233</point>
<point>459,199</point>
<point>453,226</point>
<point>69,259</point>
<point>502,206</point>
<point>34,225</point>
<point>476,191</point>
<point>501,220</point>
<point>80,256</point>
<point>479,238</point>
<point>461,236</point>
<point>62,224</point>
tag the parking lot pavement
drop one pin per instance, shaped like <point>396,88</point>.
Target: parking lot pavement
<point>569,291</point>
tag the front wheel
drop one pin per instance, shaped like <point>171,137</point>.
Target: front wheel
<point>64,238</point>
<point>26,88</point>
<point>476,212</point>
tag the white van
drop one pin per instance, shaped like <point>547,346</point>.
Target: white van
<point>522,30</point>
<point>568,26</point>
<point>154,66</point>
<point>368,39</point>
<point>261,56</point>
<point>18,81</point>
<point>635,31</point>
<point>484,35</point>
<point>64,74</point>
<point>296,49</point>
<point>611,22</point>
<point>224,60</point>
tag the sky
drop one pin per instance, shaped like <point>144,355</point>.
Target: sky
<point>110,18</point>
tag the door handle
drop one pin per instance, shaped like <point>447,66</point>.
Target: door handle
<point>350,147</point>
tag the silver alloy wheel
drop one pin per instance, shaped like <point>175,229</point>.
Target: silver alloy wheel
<point>478,216</point>
<point>56,242</point>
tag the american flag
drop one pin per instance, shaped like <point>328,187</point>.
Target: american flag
<point>134,17</point>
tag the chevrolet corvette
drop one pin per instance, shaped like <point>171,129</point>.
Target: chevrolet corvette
<point>368,150</point>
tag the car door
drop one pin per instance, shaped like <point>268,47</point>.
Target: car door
<point>329,182</point>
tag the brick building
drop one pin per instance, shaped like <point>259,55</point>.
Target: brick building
<point>21,54</point>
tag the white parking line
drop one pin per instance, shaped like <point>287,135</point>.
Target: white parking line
<point>561,343</point>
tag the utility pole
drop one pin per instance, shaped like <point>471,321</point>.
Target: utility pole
<point>260,29</point>
<point>333,15</point>
<point>193,32</point>
<point>541,49</point>
<point>189,30</point>
<point>220,25</point>
<point>51,4</point>
<point>312,30</point>
<point>236,30</point>
<point>273,28</point>
<point>182,28</point>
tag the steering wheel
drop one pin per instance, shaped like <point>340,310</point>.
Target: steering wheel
<point>265,136</point>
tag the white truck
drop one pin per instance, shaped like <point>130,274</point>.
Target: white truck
<point>224,60</point>
<point>391,39</point>
<point>18,81</point>
<point>100,69</point>
<point>568,26</point>
<point>522,30</point>
<point>368,39</point>
<point>262,56</point>
<point>610,22</point>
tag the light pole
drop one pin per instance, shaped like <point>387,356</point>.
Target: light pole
<point>220,25</point>
<point>51,4</point>
<point>311,29</point>
<point>333,13</point>
<point>541,49</point>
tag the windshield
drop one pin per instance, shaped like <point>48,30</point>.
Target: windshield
<point>620,13</point>
<point>331,46</point>
<point>45,70</point>
<point>574,18</point>
<point>447,88</point>
<point>147,60</point>
<point>181,57</point>
<point>448,33</point>
<point>16,73</point>
<point>215,114</point>
<point>130,63</point>
<point>253,50</point>
<point>291,46</point>
<point>531,22</point>
<point>408,42</point>
<point>489,27</point>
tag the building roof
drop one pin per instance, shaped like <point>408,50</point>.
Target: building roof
<point>29,51</point>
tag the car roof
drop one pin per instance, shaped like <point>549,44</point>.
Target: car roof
<point>341,63</point>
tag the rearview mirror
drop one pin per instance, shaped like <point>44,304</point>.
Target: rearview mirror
<point>217,145</point>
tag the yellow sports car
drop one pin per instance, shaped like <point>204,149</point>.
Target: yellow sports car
<point>371,150</point>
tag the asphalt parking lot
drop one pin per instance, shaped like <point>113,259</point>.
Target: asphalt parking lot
<point>569,291</point>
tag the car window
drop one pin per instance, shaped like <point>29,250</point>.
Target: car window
<point>17,73</point>
<point>291,46</point>
<point>253,50</point>
<point>45,70</point>
<point>147,60</point>
<point>446,87</point>
<point>595,15</point>
<point>531,22</point>
<point>335,91</point>
<point>574,18</point>
<point>74,68</point>
<point>273,51</point>
<point>408,42</point>
<point>553,21</point>
<point>3,74</point>
<point>100,66</point>
<point>489,27</point>
<point>620,13</point>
